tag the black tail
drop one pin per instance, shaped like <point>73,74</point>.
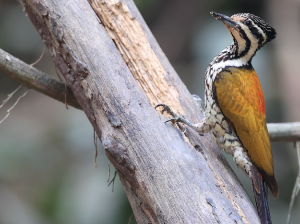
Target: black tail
<point>260,198</point>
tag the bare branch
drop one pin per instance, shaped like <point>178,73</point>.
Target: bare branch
<point>32,78</point>
<point>43,83</point>
<point>296,186</point>
<point>13,106</point>
<point>39,59</point>
<point>284,132</point>
<point>9,96</point>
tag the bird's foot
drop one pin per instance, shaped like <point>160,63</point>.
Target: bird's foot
<point>202,127</point>
<point>167,109</point>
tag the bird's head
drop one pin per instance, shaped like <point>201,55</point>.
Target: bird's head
<point>249,33</point>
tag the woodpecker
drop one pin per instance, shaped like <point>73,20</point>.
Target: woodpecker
<point>235,106</point>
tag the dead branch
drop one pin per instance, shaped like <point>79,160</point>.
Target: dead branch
<point>35,79</point>
<point>43,83</point>
<point>117,72</point>
<point>284,132</point>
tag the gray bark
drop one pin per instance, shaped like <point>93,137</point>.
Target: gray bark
<point>117,73</point>
<point>36,79</point>
<point>284,132</point>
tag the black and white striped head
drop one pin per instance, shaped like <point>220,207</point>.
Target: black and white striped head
<point>249,34</point>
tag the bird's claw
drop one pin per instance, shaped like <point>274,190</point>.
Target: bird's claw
<point>167,109</point>
<point>173,120</point>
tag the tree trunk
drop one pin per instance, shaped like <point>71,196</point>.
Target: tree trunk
<point>117,73</point>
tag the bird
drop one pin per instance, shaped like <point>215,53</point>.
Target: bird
<point>235,106</point>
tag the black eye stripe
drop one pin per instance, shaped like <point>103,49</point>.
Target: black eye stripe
<point>254,30</point>
<point>248,37</point>
<point>258,35</point>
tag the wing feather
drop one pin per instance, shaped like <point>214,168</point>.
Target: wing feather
<point>240,97</point>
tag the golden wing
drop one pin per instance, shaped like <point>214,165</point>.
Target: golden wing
<point>240,97</point>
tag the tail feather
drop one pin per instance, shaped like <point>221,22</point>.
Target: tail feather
<point>271,182</point>
<point>260,197</point>
<point>262,205</point>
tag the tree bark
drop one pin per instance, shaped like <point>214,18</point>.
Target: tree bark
<point>35,79</point>
<point>117,73</point>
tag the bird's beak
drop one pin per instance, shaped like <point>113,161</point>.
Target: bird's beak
<point>225,19</point>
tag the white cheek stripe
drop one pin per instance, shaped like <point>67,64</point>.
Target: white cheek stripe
<point>241,41</point>
<point>249,34</point>
<point>245,59</point>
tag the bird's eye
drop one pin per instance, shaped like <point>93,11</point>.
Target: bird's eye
<point>248,23</point>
